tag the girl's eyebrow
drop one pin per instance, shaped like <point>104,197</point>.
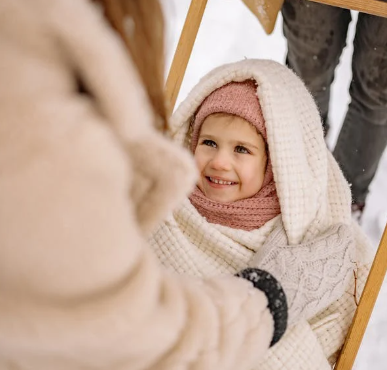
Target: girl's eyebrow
<point>244,143</point>
<point>235,142</point>
<point>209,137</point>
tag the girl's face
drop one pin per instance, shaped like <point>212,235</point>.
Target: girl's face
<point>231,158</point>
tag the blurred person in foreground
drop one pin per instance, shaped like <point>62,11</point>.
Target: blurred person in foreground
<point>84,177</point>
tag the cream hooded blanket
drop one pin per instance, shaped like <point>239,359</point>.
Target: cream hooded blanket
<point>313,196</point>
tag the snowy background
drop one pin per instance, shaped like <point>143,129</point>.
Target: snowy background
<point>229,32</point>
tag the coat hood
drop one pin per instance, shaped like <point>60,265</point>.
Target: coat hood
<point>312,190</point>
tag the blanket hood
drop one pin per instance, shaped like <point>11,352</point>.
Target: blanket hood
<point>312,190</point>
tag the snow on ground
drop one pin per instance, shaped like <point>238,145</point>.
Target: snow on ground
<point>229,32</point>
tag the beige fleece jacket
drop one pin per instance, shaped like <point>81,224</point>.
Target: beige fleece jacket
<point>83,177</point>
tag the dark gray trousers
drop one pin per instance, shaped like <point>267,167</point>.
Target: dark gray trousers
<point>316,36</point>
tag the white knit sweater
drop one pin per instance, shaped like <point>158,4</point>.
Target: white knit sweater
<point>314,198</point>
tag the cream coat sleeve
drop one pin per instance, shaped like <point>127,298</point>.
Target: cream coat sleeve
<point>79,288</point>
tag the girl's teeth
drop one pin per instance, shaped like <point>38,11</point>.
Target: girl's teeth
<point>221,182</point>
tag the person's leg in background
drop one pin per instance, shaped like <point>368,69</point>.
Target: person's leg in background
<point>363,136</point>
<point>316,35</point>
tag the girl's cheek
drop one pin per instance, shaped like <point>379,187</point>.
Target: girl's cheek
<point>200,162</point>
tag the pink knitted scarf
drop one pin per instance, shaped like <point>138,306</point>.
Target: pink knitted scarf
<point>246,214</point>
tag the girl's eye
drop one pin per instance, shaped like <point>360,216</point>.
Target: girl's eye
<point>209,143</point>
<point>241,149</point>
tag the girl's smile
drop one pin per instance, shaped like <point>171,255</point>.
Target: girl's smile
<point>219,183</point>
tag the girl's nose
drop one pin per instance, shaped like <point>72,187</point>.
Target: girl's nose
<point>221,161</point>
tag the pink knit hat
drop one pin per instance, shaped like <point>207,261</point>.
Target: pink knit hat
<point>237,98</point>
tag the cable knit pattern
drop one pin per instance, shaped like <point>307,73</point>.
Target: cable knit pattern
<point>313,274</point>
<point>314,197</point>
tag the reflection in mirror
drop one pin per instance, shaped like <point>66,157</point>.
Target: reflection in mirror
<point>229,33</point>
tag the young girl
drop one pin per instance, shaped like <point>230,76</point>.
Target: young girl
<point>269,195</point>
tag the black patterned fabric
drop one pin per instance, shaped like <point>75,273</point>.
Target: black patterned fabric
<point>276,297</point>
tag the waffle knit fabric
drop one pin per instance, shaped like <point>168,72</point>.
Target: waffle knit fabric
<point>314,197</point>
